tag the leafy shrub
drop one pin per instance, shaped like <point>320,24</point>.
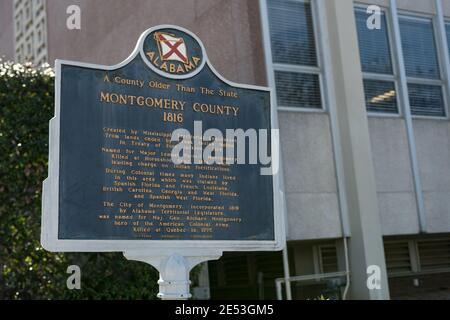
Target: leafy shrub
<point>27,271</point>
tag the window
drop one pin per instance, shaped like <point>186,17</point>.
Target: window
<point>38,7</point>
<point>18,25</point>
<point>17,3</point>
<point>39,37</point>
<point>425,85</point>
<point>28,48</point>
<point>422,66</point>
<point>434,253</point>
<point>18,20</point>
<point>28,11</point>
<point>398,257</point>
<point>376,63</point>
<point>328,260</point>
<point>295,62</point>
<point>40,28</point>
<point>421,255</point>
<point>419,47</point>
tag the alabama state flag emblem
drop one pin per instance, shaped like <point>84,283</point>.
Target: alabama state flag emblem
<point>171,47</point>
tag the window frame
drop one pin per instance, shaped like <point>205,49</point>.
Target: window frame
<point>412,15</point>
<point>385,77</point>
<point>436,82</point>
<point>445,77</point>
<point>272,66</point>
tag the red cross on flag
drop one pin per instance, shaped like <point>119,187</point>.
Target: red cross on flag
<point>171,48</point>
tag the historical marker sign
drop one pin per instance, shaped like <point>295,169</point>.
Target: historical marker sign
<point>112,183</point>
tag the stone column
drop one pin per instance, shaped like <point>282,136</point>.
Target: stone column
<point>351,129</point>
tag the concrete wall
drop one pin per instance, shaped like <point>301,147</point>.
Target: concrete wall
<point>6,30</point>
<point>395,190</point>
<point>310,177</point>
<point>110,30</point>
<point>433,151</point>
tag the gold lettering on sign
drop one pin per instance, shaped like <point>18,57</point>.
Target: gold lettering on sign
<point>215,109</point>
<point>144,192</point>
<point>141,101</point>
<point>167,66</point>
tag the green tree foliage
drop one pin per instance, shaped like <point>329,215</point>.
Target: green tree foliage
<point>27,271</point>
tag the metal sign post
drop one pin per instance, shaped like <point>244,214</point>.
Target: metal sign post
<point>173,270</point>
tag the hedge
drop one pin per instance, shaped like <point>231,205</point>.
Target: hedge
<point>27,271</point>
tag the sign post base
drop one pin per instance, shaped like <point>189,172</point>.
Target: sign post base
<point>174,268</point>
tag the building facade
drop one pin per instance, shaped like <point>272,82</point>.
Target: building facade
<point>363,99</point>
<point>29,30</point>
